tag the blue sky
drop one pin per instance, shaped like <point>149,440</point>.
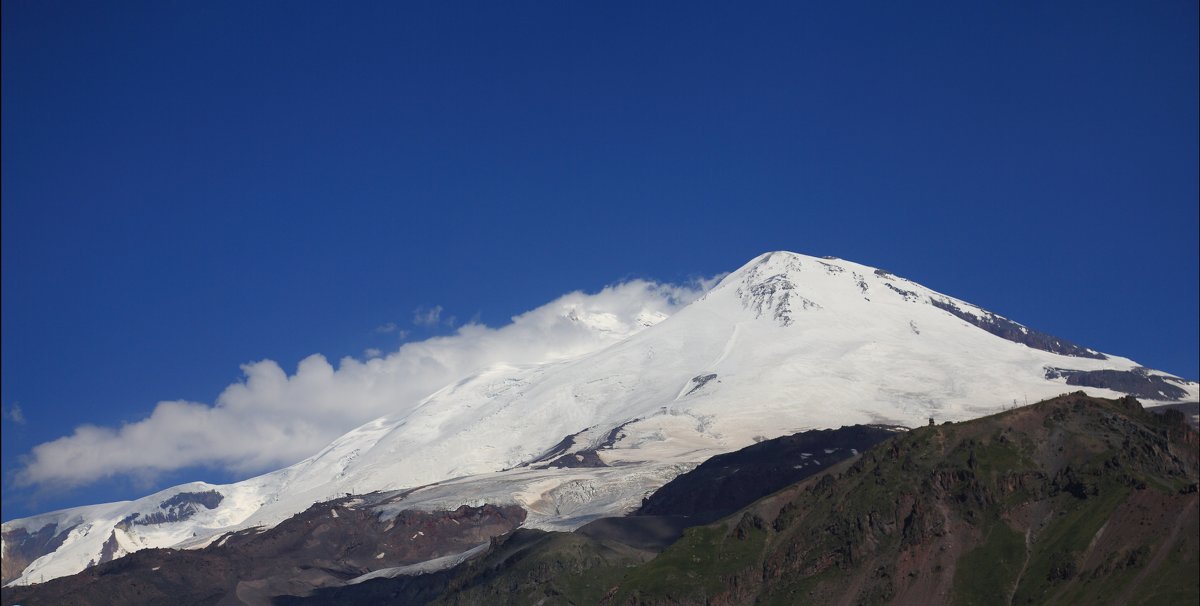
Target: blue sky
<point>189,187</point>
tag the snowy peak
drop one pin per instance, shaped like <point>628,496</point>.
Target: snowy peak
<point>780,285</point>
<point>767,288</point>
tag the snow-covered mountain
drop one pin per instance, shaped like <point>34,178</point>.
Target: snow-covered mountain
<point>785,343</point>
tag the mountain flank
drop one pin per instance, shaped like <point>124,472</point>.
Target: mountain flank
<point>1067,501</point>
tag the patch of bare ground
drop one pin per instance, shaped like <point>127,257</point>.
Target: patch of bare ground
<point>925,572</point>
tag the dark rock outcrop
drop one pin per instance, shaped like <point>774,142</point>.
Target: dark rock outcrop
<point>178,508</point>
<point>21,548</point>
<point>561,454</point>
<point>908,295</point>
<point>700,381</point>
<point>1007,329</point>
<point>1137,382</point>
<point>730,481</point>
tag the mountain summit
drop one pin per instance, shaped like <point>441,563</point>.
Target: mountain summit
<point>783,344</point>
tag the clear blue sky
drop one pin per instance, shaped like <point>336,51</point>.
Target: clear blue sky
<point>189,186</point>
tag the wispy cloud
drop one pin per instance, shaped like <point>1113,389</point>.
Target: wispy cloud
<point>15,414</point>
<point>391,328</point>
<point>272,418</point>
<point>427,316</point>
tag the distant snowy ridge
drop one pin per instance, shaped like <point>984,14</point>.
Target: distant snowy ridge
<point>786,343</point>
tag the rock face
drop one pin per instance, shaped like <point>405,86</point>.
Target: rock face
<point>1137,382</point>
<point>22,547</point>
<point>179,507</point>
<point>1007,329</point>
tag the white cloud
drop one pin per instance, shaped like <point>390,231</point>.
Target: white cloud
<point>372,352</point>
<point>272,419</point>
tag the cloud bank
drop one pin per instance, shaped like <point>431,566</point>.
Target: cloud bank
<point>272,419</point>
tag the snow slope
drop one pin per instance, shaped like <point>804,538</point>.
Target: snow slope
<point>786,343</point>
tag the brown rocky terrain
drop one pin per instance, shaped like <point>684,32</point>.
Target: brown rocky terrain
<point>327,544</point>
<point>24,547</point>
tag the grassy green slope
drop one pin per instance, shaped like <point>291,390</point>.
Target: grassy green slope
<point>548,568</point>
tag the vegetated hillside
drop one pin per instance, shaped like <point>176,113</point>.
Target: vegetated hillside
<point>1069,501</point>
<point>1072,500</point>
